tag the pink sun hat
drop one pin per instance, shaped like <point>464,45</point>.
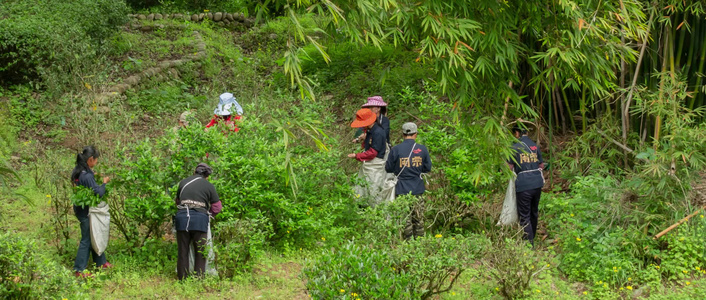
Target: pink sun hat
<point>375,101</point>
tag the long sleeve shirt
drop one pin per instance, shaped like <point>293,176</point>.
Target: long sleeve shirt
<point>409,164</point>
<point>375,144</point>
<point>527,163</point>
<point>87,179</point>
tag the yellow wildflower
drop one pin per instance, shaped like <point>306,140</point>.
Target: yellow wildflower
<point>685,271</point>
<point>343,291</point>
<point>605,285</point>
<point>578,239</point>
<point>585,293</point>
<point>549,265</point>
<point>621,288</point>
<point>438,236</point>
<point>629,287</point>
<point>657,267</point>
<point>497,288</point>
<point>323,239</point>
<point>688,283</point>
<point>629,279</point>
<point>698,269</point>
<point>572,215</point>
<point>287,231</point>
<point>453,293</point>
<point>354,294</point>
<point>49,196</point>
<point>538,291</point>
<point>206,10</point>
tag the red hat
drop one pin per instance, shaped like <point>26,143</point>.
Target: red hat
<point>375,101</point>
<point>363,118</point>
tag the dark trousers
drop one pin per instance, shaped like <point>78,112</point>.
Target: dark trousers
<point>85,250</point>
<point>184,239</point>
<point>414,226</point>
<point>528,211</point>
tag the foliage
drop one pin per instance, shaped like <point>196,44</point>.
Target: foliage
<point>25,274</point>
<point>239,242</point>
<point>511,263</point>
<point>417,269</point>
<point>85,196</point>
<point>357,271</point>
<point>53,41</point>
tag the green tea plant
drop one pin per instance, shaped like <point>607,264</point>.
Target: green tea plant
<point>238,243</point>
<point>356,271</point>
<point>511,263</point>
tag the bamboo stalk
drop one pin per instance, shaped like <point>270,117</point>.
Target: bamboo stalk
<point>682,37</point>
<point>626,109</point>
<point>571,115</point>
<point>665,58</point>
<point>663,232</point>
<point>699,79</point>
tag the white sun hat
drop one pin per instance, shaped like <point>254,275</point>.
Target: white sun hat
<point>226,105</point>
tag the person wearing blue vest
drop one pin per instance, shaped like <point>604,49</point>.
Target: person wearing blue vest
<point>408,161</point>
<point>528,164</point>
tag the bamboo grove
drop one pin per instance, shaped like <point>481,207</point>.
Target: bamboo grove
<point>630,68</point>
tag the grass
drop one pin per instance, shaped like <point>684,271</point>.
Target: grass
<point>151,110</point>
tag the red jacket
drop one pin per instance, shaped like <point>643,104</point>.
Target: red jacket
<point>230,122</point>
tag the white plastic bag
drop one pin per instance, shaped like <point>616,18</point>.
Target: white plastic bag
<point>210,256</point>
<point>509,214</point>
<point>99,220</point>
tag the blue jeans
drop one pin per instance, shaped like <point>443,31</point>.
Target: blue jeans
<point>84,247</point>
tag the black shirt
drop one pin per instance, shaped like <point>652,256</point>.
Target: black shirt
<point>410,180</point>
<point>384,122</point>
<point>526,162</point>
<point>198,190</point>
<point>376,139</point>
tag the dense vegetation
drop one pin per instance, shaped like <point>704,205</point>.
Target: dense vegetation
<point>612,91</point>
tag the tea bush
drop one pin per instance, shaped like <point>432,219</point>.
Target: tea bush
<point>26,274</point>
<point>357,271</point>
<point>417,269</point>
<point>54,41</point>
<point>238,243</point>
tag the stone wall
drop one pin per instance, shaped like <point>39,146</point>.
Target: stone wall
<point>221,17</point>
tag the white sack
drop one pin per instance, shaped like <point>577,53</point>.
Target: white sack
<point>99,219</point>
<point>509,214</point>
<point>374,174</point>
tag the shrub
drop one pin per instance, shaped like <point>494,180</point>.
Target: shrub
<point>54,40</point>
<point>511,262</point>
<point>417,269</point>
<point>237,243</point>
<point>358,271</point>
<point>25,274</point>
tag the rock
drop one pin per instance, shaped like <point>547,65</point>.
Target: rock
<point>194,17</point>
<point>201,16</point>
<point>226,22</point>
<point>178,16</point>
<point>130,15</point>
<point>273,36</point>
<point>248,22</point>
<point>218,16</point>
<point>229,16</point>
<point>150,17</point>
<point>15,158</point>
<point>146,28</point>
<point>132,80</point>
<point>141,17</point>
<point>168,16</point>
<point>209,16</point>
<point>158,16</point>
<point>135,26</point>
<point>165,64</point>
<point>239,17</point>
